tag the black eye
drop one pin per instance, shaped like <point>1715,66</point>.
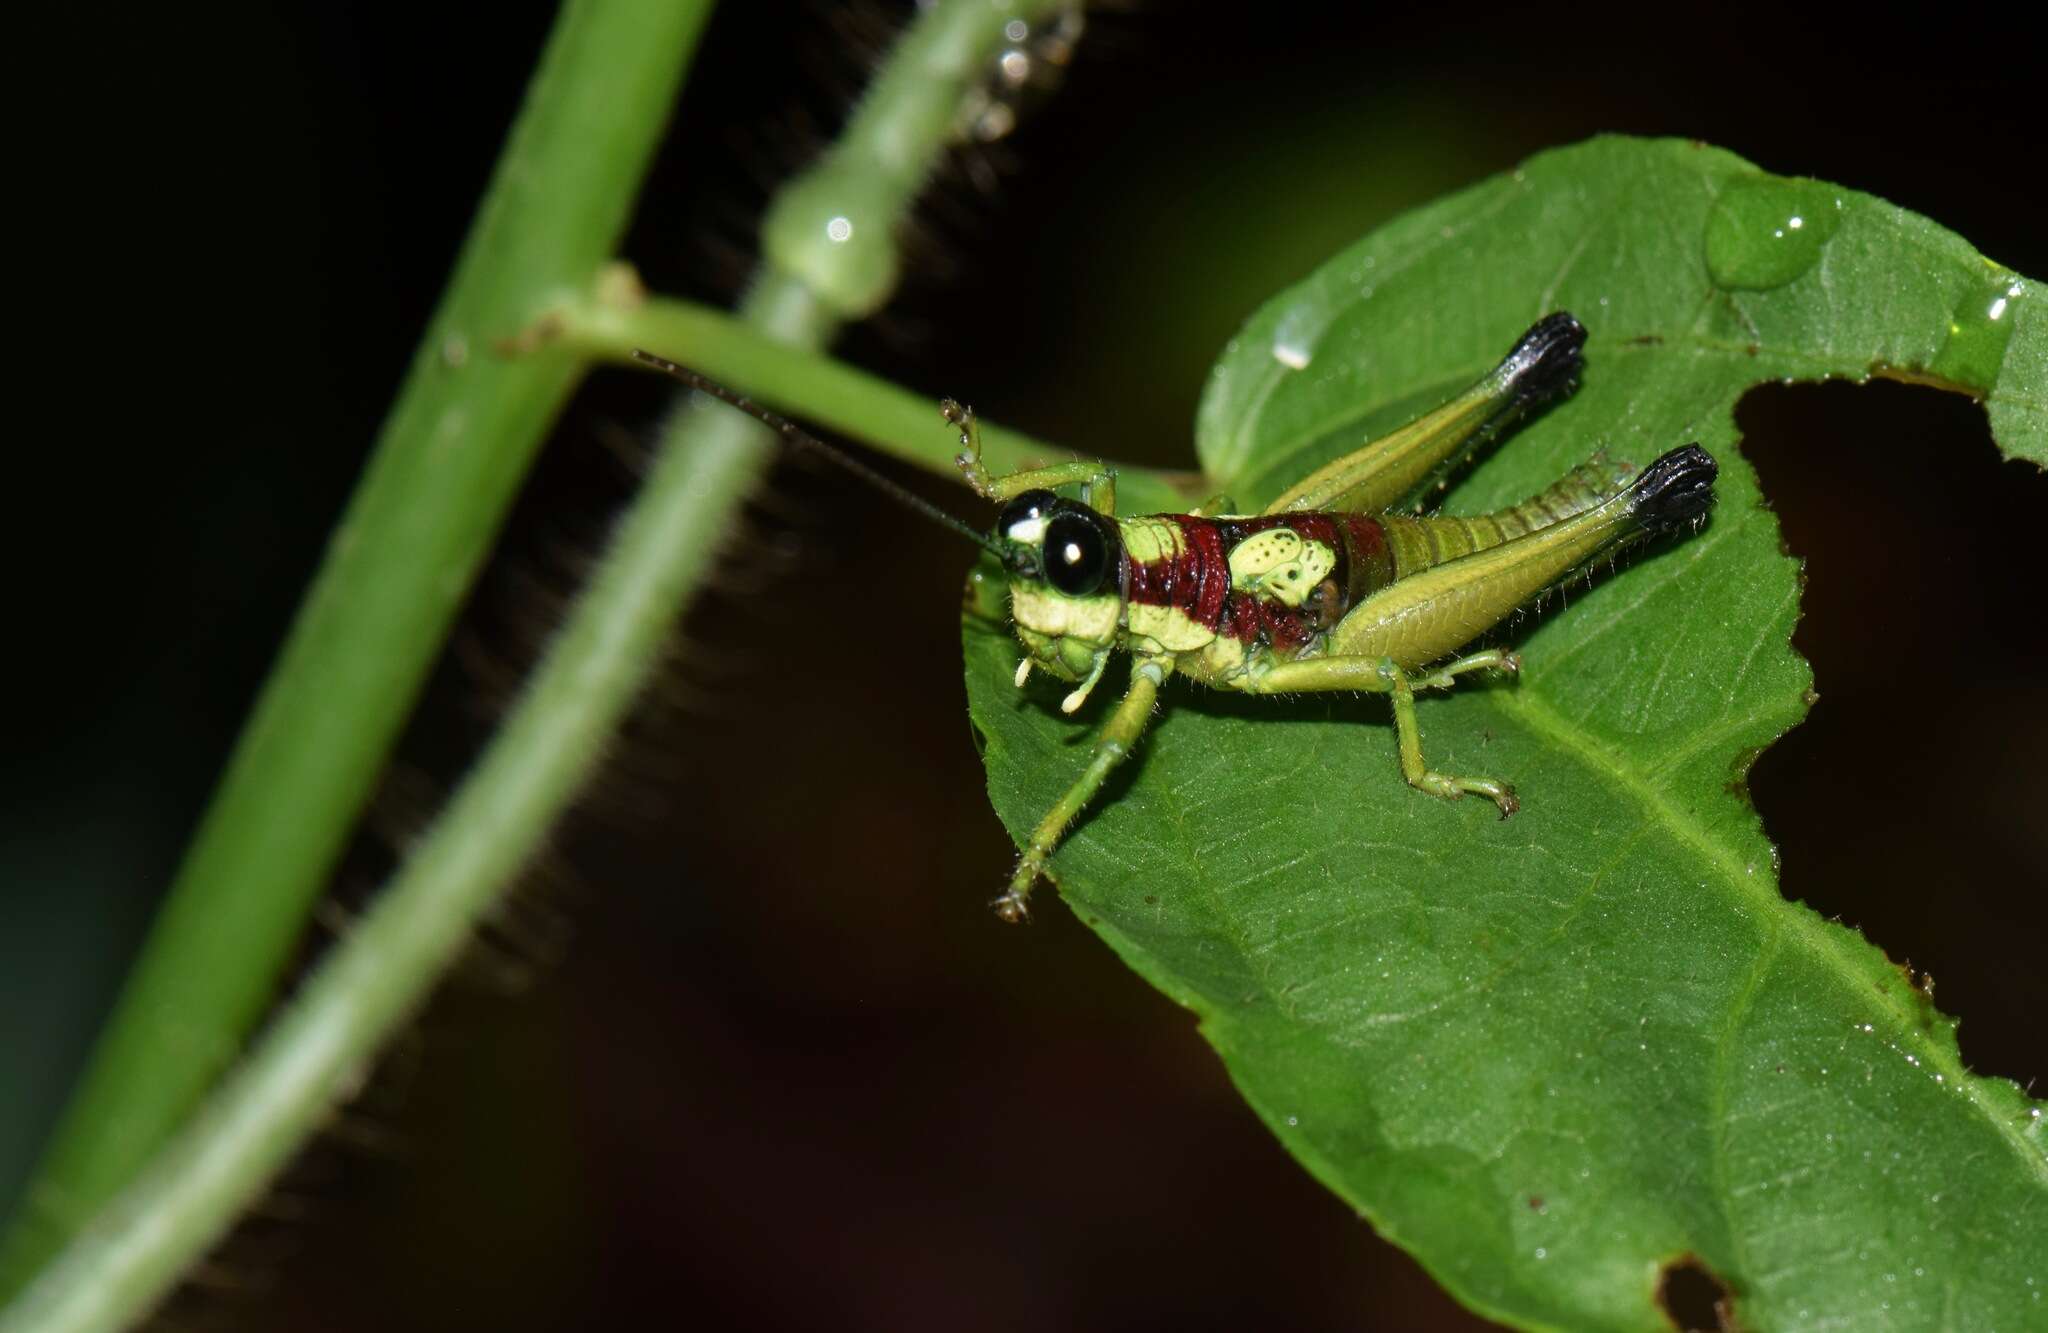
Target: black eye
<point>1026,507</point>
<point>1076,555</point>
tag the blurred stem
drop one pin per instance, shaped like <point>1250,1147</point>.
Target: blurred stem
<point>828,393</point>
<point>458,441</point>
<point>316,1051</point>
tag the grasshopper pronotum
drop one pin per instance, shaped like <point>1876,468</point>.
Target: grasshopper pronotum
<point>1325,589</point>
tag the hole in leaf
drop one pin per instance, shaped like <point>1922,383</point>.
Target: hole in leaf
<point>1902,804</point>
<point>1694,1298</point>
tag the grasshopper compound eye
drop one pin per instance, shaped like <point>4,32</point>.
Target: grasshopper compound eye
<point>1023,519</point>
<point>1076,553</point>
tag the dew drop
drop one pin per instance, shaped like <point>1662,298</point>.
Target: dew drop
<point>1295,337</point>
<point>1765,232</point>
<point>1979,330</point>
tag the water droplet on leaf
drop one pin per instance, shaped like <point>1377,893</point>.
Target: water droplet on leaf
<point>1765,232</point>
<point>1979,330</point>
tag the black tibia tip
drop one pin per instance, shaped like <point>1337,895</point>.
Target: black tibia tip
<point>1674,490</point>
<point>1546,361</point>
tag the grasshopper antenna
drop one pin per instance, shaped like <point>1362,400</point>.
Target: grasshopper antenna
<point>801,438</point>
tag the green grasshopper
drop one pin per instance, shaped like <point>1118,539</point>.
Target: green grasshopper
<point>1328,588</point>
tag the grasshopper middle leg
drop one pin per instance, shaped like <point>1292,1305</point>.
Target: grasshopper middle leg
<point>1380,675</point>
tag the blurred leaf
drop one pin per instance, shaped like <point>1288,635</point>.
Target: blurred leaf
<point>1553,1055</point>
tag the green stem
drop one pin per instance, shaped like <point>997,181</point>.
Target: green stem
<point>191,1192</point>
<point>829,393</point>
<point>459,439</point>
<point>374,979</point>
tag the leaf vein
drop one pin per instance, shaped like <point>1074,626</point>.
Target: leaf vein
<point>1812,934</point>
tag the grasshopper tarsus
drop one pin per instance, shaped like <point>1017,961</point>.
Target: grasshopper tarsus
<point>1545,361</point>
<point>1673,492</point>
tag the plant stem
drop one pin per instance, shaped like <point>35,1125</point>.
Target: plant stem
<point>375,977</point>
<point>315,1052</point>
<point>457,442</point>
<point>830,393</point>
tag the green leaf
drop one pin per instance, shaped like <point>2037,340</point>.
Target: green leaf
<point>1552,1055</point>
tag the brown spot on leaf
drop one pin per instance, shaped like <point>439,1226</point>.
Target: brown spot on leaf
<point>1738,772</point>
<point>1694,1297</point>
<point>1919,990</point>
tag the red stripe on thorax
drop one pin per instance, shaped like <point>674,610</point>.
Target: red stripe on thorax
<point>1248,620</point>
<point>1212,572</point>
<point>1195,582</point>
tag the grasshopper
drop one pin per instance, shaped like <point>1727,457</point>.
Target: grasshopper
<point>1330,587</point>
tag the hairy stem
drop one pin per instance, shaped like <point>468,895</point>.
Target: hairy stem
<point>828,393</point>
<point>192,1191</point>
<point>458,440</point>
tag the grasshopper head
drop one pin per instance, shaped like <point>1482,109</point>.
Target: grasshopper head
<point>1066,565</point>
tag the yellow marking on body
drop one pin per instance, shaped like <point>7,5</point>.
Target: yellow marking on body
<point>1221,660</point>
<point>1090,618</point>
<point>1280,565</point>
<point>1169,627</point>
<point>1149,539</point>
<point>1261,553</point>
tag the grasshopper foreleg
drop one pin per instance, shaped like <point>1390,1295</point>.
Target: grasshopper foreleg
<point>1112,747</point>
<point>1097,481</point>
<point>1380,675</point>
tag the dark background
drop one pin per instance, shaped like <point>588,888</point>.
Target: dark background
<point>767,1062</point>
